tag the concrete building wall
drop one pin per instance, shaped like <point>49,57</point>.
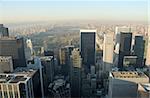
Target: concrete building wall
<point>108,50</point>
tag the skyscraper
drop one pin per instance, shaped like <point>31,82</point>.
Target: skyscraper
<point>148,49</point>
<point>87,47</point>
<point>28,49</point>
<point>76,62</point>
<point>139,50</point>
<point>125,46</point>
<point>108,49</point>
<point>118,31</point>
<point>18,85</point>
<point>65,53</point>
<point>3,31</point>
<point>14,47</point>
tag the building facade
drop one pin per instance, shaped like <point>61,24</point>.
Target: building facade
<point>6,64</point>
<point>13,47</point>
<point>76,63</point>
<point>139,50</point>
<point>108,52</point>
<point>87,47</point>
<point>125,47</point>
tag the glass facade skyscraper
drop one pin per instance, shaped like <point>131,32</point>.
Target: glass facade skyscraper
<point>87,47</point>
<point>125,47</point>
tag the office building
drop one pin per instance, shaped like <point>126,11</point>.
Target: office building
<point>76,63</point>
<point>124,84</point>
<point>64,55</point>
<point>6,64</point>
<point>118,31</point>
<point>35,64</point>
<point>13,47</point>
<point>148,51</point>
<point>28,49</point>
<point>59,89</point>
<point>130,61</point>
<point>125,47</point>
<point>87,47</point>
<point>47,63</point>
<point>139,50</point>
<point>108,52</point>
<point>16,85</point>
<point>34,75</point>
<point>3,31</point>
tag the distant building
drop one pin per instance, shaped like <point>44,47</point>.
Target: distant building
<point>108,52</point>
<point>76,63</point>
<point>13,47</point>
<point>88,47</point>
<point>3,31</point>
<point>139,50</point>
<point>125,47</point>
<point>28,49</point>
<point>118,31</point>
<point>6,64</point>
<point>125,84</point>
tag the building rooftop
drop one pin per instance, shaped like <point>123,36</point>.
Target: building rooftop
<point>29,72</point>
<point>127,74</point>
<point>47,58</point>
<point>13,78</point>
<point>88,30</point>
<point>20,75</point>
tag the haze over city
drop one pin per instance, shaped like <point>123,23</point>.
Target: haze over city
<point>12,11</point>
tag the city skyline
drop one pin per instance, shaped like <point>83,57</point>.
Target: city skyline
<point>13,11</point>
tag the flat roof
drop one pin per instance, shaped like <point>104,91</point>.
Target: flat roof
<point>128,74</point>
<point>88,30</point>
<point>13,78</point>
<point>20,75</point>
<point>47,58</point>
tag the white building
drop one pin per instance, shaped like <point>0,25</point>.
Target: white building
<point>16,86</point>
<point>108,51</point>
<point>148,49</point>
<point>28,49</point>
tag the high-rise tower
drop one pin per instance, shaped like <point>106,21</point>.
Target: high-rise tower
<point>87,47</point>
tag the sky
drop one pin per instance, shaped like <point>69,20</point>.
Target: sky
<point>47,10</point>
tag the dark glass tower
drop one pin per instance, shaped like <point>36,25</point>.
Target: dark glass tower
<point>125,47</point>
<point>87,47</point>
<point>139,50</point>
